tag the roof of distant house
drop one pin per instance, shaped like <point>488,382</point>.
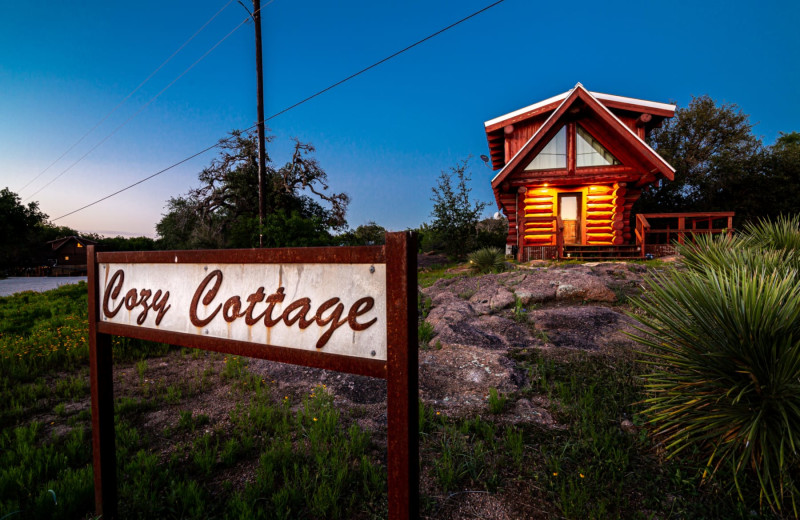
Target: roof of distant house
<point>59,242</point>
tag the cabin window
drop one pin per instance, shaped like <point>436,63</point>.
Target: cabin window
<point>80,245</point>
<point>553,155</point>
<point>66,258</point>
<point>589,152</point>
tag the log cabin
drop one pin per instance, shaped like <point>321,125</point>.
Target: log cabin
<point>570,169</point>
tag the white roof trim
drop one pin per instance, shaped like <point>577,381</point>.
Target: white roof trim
<point>634,101</point>
<point>527,109</point>
<point>536,133</point>
<point>566,95</point>
<point>626,127</point>
<point>596,95</point>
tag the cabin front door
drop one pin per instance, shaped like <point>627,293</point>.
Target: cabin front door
<point>569,209</point>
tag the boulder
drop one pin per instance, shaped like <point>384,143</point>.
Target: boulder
<point>584,327</point>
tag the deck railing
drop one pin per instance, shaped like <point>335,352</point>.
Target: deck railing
<point>556,230</point>
<point>686,229</point>
<point>559,238</point>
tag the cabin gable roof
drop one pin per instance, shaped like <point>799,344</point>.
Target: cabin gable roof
<point>635,150</point>
<point>61,242</point>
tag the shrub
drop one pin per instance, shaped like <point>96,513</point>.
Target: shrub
<point>455,215</point>
<point>487,260</point>
<point>725,346</point>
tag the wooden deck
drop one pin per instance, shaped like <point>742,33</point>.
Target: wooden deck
<point>657,234</point>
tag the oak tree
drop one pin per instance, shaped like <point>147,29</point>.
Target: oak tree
<point>223,210</point>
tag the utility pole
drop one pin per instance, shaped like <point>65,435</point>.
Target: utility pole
<point>262,151</point>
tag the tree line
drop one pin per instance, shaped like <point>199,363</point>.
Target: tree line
<point>720,165</point>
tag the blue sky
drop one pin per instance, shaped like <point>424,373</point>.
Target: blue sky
<point>383,137</point>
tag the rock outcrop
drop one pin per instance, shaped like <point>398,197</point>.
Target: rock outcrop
<point>479,320</point>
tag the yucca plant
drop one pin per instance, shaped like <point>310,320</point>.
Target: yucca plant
<point>725,347</point>
<point>487,260</point>
<point>726,254</point>
<point>724,339</point>
<point>783,233</point>
<point>763,244</point>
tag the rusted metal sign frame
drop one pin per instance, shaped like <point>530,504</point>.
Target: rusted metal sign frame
<point>399,370</point>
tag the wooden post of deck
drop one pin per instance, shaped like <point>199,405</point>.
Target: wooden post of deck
<point>681,227</point>
<point>559,238</point>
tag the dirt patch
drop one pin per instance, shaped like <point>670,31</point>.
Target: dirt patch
<point>584,327</point>
<point>428,260</point>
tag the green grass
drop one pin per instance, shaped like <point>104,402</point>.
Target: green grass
<point>497,401</point>
<point>45,477</point>
<point>425,334</point>
<point>304,457</point>
<point>424,304</point>
<point>428,277</point>
<point>594,469</point>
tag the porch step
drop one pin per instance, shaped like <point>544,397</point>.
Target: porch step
<point>601,252</point>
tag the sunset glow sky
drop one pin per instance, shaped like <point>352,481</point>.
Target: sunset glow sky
<point>383,137</point>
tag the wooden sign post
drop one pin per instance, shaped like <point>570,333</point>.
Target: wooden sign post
<point>349,309</point>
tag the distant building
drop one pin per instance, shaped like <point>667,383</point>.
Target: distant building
<point>67,256</point>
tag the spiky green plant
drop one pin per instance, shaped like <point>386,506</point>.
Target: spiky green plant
<point>725,349</point>
<point>487,260</point>
<point>782,233</point>
<point>774,246</point>
<point>727,254</point>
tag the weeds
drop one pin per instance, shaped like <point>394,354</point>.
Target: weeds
<point>204,454</point>
<point>469,293</point>
<point>497,401</point>
<point>426,278</point>
<point>234,367</point>
<point>424,304</point>
<point>141,368</point>
<point>519,313</point>
<point>173,394</point>
<point>514,445</point>
<point>425,333</point>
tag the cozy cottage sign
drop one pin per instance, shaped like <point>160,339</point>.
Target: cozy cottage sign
<point>327,308</point>
<point>350,309</point>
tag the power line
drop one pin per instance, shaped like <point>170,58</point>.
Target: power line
<point>348,78</point>
<point>145,105</point>
<point>309,98</point>
<point>131,93</point>
<point>150,101</point>
<point>201,152</point>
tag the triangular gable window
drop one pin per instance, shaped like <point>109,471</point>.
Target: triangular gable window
<point>553,155</point>
<point>589,152</point>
